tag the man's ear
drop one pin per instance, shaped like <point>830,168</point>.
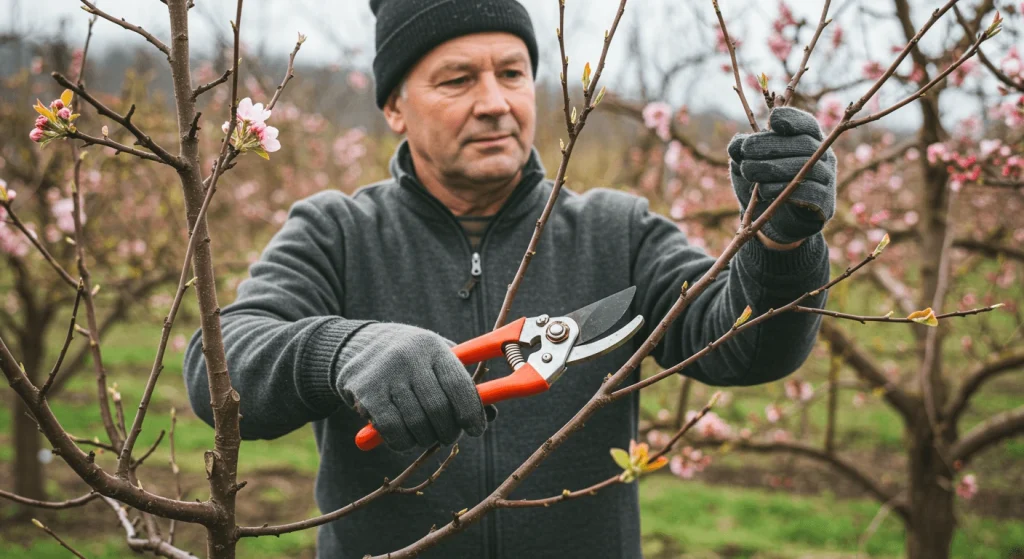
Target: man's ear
<point>393,113</point>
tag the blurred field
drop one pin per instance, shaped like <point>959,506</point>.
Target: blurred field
<point>741,506</point>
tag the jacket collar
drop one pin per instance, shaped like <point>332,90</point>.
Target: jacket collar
<point>524,197</point>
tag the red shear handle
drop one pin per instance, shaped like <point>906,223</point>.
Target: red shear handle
<point>489,345</point>
<point>525,381</point>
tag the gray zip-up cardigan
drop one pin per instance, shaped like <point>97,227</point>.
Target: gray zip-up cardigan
<point>392,252</point>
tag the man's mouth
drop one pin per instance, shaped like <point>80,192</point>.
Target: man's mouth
<point>489,139</point>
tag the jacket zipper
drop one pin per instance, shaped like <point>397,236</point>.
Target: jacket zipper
<point>475,273</point>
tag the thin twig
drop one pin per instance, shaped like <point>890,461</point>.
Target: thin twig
<point>155,444</point>
<point>123,120</point>
<point>64,275</point>
<point>62,543</point>
<point>92,9</point>
<point>90,307</point>
<point>67,343</point>
<point>787,95</point>
<point>389,486</point>
<point>51,505</point>
<point>735,68</point>
<point>894,319</point>
<point>208,86</point>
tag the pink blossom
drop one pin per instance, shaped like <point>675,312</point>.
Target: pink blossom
<point>254,114</point>
<point>63,114</point>
<point>958,76</point>
<point>710,426</point>
<point>773,413</point>
<point>57,105</point>
<point>683,115</point>
<point>910,218</point>
<point>967,487</point>
<point>12,241</point>
<point>895,182</point>
<point>863,153</point>
<point>63,211</point>
<point>855,248</point>
<point>987,147</point>
<point>678,466</point>
<point>912,154</point>
<point>664,415</point>
<point>938,151</point>
<point>1011,64</point>
<point>658,117</point>
<point>781,436</point>
<point>707,182</point>
<point>357,80</point>
<point>859,399</point>
<point>858,208</point>
<point>36,134</point>
<point>672,154</point>
<point>830,110</point>
<point>780,46</point>
<point>678,210</point>
<point>872,70</point>
<point>268,139</point>
<point>42,121</point>
<point>837,35</point>
<point>178,343</point>
<point>720,44</point>
<point>37,65</point>
<point>799,390</point>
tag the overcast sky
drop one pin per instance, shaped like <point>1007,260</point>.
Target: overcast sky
<point>343,33</point>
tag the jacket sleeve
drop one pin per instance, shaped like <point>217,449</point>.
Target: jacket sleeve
<point>283,332</point>
<point>757,276</point>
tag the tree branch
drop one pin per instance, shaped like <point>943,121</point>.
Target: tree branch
<point>51,505</point>
<point>991,431</point>
<point>845,467</point>
<point>124,120</point>
<point>92,9</point>
<point>976,378</point>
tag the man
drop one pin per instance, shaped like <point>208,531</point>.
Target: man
<point>348,314</point>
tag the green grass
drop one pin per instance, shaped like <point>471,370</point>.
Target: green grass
<point>760,523</point>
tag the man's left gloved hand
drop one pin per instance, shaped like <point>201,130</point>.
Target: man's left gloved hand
<point>772,159</point>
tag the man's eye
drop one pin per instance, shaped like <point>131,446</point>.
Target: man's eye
<point>456,81</point>
<point>513,74</point>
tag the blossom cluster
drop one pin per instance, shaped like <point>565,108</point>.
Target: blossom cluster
<point>55,121</point>
<point>251,131</point>
<point>658,116</point>
<point>688,462</point>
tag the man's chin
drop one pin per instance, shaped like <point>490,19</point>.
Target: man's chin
<point>496,167</point>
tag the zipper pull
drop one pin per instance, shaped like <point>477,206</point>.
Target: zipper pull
<point>475,271</point>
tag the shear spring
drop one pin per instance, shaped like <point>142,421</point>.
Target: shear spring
<point>513,354</point>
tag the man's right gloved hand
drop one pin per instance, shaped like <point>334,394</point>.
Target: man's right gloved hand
<point>410,385</point>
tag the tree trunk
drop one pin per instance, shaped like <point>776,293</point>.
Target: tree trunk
<point>930,530</point>
<point>26,469</point>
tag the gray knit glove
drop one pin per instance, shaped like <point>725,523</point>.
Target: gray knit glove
<point>772,158</point>
<point>410,385</point>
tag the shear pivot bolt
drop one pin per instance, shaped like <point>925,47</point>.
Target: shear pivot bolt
<point>557,332</point>
<point>546,358</point>
<point>542,320</point>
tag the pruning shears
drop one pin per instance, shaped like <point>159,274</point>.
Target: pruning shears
<point>560,339</point>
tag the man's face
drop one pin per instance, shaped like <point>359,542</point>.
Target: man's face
<point>468,110</point>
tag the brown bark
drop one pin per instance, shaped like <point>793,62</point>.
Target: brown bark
<point>931,525</point>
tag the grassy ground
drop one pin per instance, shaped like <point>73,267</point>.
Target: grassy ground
<point>731,511</point>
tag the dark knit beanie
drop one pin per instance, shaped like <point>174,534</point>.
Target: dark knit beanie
<point>408,29</point>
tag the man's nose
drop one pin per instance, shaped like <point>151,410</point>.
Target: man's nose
<point>491,101</point>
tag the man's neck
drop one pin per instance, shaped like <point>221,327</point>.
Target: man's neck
<point>467,199</point>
